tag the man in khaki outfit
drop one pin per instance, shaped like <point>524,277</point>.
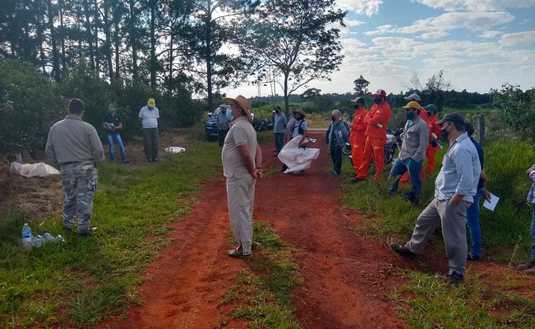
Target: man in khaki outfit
<point>242,165</point>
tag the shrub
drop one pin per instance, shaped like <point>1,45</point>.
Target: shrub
<point>28,106</point>
<point>518,109</point>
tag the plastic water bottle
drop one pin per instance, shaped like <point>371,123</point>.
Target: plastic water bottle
<point>27,236</point>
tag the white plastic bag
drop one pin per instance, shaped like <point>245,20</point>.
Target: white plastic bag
<point>175,149</point>
<point>296,158</point>
<point>39,169</point>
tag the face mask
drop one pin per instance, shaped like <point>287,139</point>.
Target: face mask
<point>378,100</point>
<point>333,118</point>
<point>411,115</point>
<point>230,116</point>
<point>444,135</point>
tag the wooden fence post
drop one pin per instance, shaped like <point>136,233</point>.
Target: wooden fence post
<point>481,129</point>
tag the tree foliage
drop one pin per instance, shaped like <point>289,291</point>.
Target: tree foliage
<point>298,39</point>
<point>361,86</point>
<point>518,108</point>
<point>28,106</point>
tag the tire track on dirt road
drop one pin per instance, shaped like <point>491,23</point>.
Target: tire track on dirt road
<point>185,284</point>
<point>346,276</point>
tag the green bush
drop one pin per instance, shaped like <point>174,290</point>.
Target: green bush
<point>28,106</point>
<point>518,109</point>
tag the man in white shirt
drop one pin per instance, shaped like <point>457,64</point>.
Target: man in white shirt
<point>149,115</point>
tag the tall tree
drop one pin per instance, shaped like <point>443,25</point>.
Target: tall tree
<point>210,32</point>
<point>361,86</point>
<point>299,38</point>
<point>51,14</point>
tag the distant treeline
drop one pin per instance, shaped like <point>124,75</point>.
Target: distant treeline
<point>325,102</point>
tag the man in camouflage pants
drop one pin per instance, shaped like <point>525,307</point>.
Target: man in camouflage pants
<point>75,147</point>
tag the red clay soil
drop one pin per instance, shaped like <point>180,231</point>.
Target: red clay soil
<point>346,276</point>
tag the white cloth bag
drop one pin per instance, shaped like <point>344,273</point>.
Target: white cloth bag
<point>296,158</point>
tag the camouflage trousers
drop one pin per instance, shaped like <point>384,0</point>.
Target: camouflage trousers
<point>79,181</point>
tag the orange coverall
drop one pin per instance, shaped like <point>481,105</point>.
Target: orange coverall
<point>358,137</point>
<point>431,152</point>
<point>376,124</point>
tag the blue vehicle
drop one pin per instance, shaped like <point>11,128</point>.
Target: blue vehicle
<point>210,126</point>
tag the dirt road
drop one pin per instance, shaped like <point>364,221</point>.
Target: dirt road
<point>346,276</point>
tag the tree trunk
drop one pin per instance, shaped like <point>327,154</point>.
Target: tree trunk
<point>107,43</point>
<point>153,45</point>
<point>286,100</point>
<point>62,26</point>
<point>117,39</point>
<point>171,60</point>
<point>132,36</point>
<point>208,55</point>
<point>40,37</point>
<point>55,55</point>
<point>97,51</point>
<point>89,35</point>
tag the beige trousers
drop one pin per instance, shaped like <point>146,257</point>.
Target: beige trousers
<point>452,220</point>
<point>240,197</point>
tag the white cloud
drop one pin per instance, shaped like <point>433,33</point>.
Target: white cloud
<point>477,5</point>
<point>382,29</point>
<point>490,34</point>
<point>440,26</point>
<point>352,22</point>
<point>365,7</point>
<point>519,39</point>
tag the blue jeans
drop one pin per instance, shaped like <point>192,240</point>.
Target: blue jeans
<point>532,256</point>
<point>472,219</point>
<point>115,136</point>
<point>400,167</point>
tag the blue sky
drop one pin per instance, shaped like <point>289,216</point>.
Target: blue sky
<point>480,44</point>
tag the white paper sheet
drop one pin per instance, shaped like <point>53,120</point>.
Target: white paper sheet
<point>492,203</point>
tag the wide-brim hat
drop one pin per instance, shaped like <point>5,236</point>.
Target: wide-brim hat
<point>300,111</point>
<point>241,102</point>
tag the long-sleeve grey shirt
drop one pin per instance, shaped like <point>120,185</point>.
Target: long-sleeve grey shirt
<point>73,140</point>
<point>460,171</point>
<point>415,140</point>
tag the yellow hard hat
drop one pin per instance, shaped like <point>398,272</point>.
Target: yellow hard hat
<point>413,105</point>
<point>151,102</point>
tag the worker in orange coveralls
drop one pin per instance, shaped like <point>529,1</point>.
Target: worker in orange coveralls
<point>430,118</point>
<point>358,133</point>
<point>376,125</point>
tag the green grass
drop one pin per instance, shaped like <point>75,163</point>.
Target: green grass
<point>78,283</point>
<point>506,163</point>
<point>262,293</point>
<point>429,301</point>
<point>432,303</point>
